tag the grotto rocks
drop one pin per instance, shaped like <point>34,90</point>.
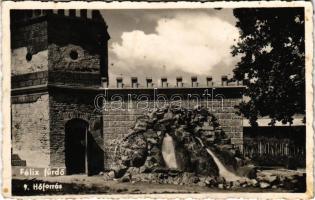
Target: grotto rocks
<point>143,145</point>
<point>200,161</point>
<point>134,149</point>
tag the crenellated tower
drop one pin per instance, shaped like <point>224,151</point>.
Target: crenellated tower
<point>59,58</point>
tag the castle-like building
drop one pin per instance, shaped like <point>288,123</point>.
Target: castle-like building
<point>59,70</point>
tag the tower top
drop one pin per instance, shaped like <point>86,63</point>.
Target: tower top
<point>69,45</point>
<point>26,16</point>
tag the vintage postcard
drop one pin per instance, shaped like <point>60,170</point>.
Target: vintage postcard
<point>157,100</point>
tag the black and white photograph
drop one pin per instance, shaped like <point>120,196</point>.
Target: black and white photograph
<point>187,100</point>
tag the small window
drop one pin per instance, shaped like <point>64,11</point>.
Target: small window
<point>28,56</point>
<point>74,55</point>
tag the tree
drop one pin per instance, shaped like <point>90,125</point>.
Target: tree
<point>272,51</point>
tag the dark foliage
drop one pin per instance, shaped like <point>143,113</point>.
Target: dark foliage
<point>272,51</point>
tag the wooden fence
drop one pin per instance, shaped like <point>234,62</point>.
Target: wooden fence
<point>275,146</point>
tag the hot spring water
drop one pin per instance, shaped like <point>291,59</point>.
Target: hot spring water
<point>229,176</point>
<point>168,152</point>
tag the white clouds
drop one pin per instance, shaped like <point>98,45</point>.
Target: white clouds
<point>190,43</point>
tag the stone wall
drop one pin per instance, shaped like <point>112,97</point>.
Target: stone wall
<point>29,39</point>
<point>71,57</point>
<point>29,79</point>
<point>117,122</point>
<point>65,105</point>
<point>30,129</point>
<point>77,44</point>
<point>20,64</point>
<point>74,78</point>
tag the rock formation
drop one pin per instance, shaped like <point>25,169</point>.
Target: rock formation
<point>143,145</point>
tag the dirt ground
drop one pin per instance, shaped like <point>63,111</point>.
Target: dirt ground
<point>82,184</point>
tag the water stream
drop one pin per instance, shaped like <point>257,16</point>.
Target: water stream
<point>168,152</point>
<point>225,173</point>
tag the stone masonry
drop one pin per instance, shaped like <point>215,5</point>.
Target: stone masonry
<point>30,130</point>
<point>117,123</point>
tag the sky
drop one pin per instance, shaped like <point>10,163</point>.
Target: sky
<point>171,43</point>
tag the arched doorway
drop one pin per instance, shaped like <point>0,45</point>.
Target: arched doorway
<point>82,153</point>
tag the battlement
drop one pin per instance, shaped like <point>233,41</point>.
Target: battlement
<point>20,16</point>
<point>164,82</point>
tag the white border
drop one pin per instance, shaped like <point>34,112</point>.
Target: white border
<point>6,150</point>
